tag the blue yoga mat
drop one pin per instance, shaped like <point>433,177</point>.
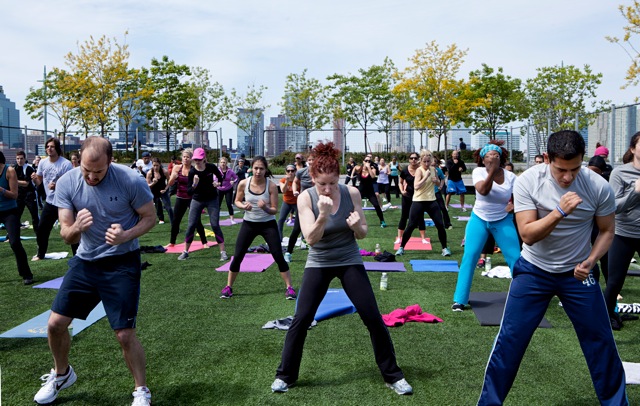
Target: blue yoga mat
<point>52,284</point>
<point>335,303</point>
<point>431,265</point>
<point>4,238</point>
<point>37,326</point>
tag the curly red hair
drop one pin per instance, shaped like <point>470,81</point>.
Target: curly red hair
<point>325,160</point>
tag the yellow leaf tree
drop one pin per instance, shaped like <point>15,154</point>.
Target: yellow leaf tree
<point>98,67</point>
<point>632,15</point>
<point>432,98</point>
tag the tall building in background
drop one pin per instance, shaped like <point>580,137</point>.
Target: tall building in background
<point>10,132</point>
<point>270,135</point>
<point>625,125</point>
<point>251,140</point>
<point>511,142</point>
<point>277,135</point>
<point>401,138</point>
<point>338,133</point>
<point>139,124</point>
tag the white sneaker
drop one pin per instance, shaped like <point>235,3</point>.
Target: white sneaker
<point>141,397</point>
<point>279,386</point>
<point>161,222</point>
<point>425,241</point>
<point>233,222</point>
<point>397,241</point>
<point>303,246</point>
<point>224,256</point>
<point>401,387</point>
<point>386,207</point>
<point>463,209</point>
<point>384,200</point>
<point>54,384</point>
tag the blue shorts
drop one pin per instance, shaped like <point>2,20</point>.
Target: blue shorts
<point>456,187</point>
<point>114,280</point>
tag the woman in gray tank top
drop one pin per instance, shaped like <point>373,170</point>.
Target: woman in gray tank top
<point>331,218</point>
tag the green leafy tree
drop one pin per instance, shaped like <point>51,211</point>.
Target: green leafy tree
<point>245,111</point>
<point>499,100</point>
<point>305,103</point>
<point>432,96</point>
<point>559,94</point>
<point>98,68</point>
<point>134,95</point>
<point>210,96</point>
<point>58,95</point>
<point>631,14</point>
<point>173,101</point>
<point>358,98</point>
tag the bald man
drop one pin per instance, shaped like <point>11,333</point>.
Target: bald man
<point>105,207</point>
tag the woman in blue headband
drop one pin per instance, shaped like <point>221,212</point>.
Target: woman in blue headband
<point>490,215</point>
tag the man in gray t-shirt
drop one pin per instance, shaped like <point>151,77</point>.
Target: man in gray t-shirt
<point>105,207</point>
<point>556,205</point>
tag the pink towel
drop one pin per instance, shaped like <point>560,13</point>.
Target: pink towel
<point>411,313</point>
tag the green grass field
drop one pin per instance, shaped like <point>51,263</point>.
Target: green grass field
<point>202,350</point>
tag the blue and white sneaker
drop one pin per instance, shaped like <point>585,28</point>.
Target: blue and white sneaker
<point>279,386</point>
<point>446,252</point>
<point>401,387</point>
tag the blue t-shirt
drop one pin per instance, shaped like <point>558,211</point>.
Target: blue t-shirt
<point>113,201</point>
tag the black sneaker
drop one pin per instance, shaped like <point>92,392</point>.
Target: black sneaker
<point>457,307</point>
<point>28,281</point>
<point>616,323</point>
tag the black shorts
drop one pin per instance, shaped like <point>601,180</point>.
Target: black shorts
<point>114,280</point>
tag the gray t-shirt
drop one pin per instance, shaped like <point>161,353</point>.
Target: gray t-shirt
<point>51,172</point>
<point>569,242</point>
<point>113,201</point>
<point>623,182</point>
<point>304,177</point>
<point>338,246</point>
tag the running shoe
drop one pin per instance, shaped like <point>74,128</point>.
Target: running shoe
<point>183,256</point>
<point>446,252</point>
<point>141,397</point>
<point>279,386</point>
<point>457,307</point>
<point>53,384</point>
<point>400,251</point>
<point>290,294</point>
<point>224,256</point>
<point>401,387</point>
<point>226,293</point>
<point>287,257</point>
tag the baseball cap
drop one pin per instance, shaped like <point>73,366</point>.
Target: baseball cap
<point>146,154</point>
<point>198,153</point>
<point>602,150</point>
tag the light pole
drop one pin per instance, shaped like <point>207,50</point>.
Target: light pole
<point>44,83</point>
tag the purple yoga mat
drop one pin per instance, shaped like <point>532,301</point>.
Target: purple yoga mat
<point>251,263</point>
<point>464,218</point>
<point>52,284</point>
<point>385,266</point>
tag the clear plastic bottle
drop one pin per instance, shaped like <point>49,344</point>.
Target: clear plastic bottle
<point>487,264</point>
<point>378,250</point>
<point>384,280</point>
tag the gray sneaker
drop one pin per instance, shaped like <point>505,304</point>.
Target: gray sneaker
<point>183,256</point>
<point>54,384</point>
<point>224,256</point>
<point>401,387</point>
<point>279,386</point>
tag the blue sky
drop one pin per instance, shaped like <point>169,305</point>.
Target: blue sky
<point>261,42</point>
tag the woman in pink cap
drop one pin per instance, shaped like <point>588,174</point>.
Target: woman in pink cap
<point>202,186</point>
<point>603,151</point>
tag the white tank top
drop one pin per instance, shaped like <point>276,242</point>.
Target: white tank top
<point>257,214</point>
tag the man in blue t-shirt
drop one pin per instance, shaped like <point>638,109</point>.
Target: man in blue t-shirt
<point>556,205</point>
<point>105,207</point>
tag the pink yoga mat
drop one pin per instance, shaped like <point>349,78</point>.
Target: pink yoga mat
<point>251,263</point>
<point>415,244</point>
<point>195,246</point>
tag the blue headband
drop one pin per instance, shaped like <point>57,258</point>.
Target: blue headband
<point>490,147</point>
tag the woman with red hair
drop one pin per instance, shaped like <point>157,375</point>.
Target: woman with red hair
<point>331,219</point>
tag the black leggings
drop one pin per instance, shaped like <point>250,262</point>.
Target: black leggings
<point>404,213</point>
<point>355,281</point>
<point>228,196</point>
<point>370,194</point>
<point>416,216</point>
<point>249,230</point>
<point>295,233</point>
<point>48,218</point>
<point>443,210</point>
<point>179,209</point>
<point>11,222</point>
<point>392,180</point>
<point>620,255</point>
<point>32,205</point>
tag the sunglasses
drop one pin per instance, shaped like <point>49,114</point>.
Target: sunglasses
<point>197,160</point>
<point>298,157</point>
<point>367,160</point>
<point>413,158</point>
<point>291,170</point>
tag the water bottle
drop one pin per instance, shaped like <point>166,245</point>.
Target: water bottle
<point>487,264</point>
<point>377,250</point>
<point>384,279</point>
